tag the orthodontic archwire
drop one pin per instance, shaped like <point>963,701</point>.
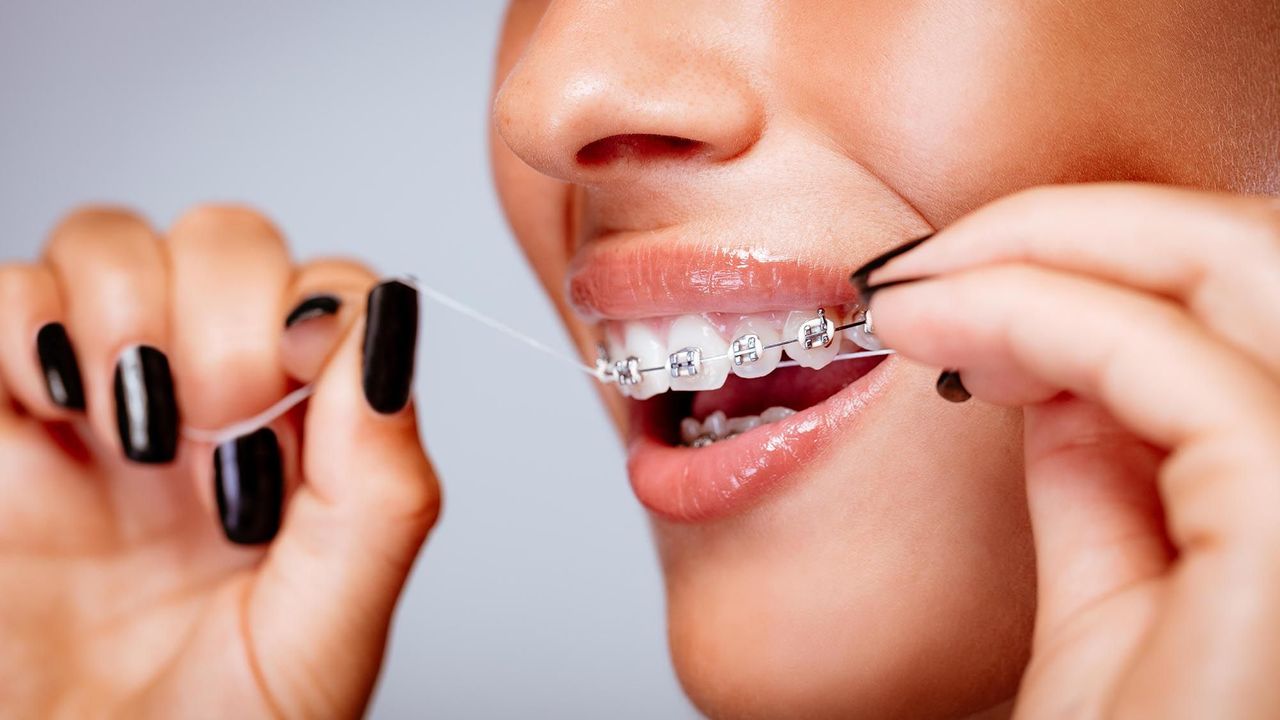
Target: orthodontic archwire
<point>818,331</point>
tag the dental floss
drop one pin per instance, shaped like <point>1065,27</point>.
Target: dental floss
<point>605,370</point>
<point>253,424</point>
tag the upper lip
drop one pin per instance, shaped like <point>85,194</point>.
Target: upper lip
<point>633,274</point>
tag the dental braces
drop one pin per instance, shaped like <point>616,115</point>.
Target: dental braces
<point>745,349</point>
<point>686,362</point>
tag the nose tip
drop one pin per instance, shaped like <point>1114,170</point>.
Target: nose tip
<point>585,115</point>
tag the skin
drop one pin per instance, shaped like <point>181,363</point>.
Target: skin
<point>121,597</point>
<point>1123,560</point>
<point>903,118</point>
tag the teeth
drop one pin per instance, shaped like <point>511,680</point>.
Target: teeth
<point>700,351</point>
<point>766,334</point>
<point>816,357</point>
<point>716,424</point>
<point>690,429</point>
<point>859,335</point>
<point>719,427</point>
<point>642,341</point>
<point>774,414</point>
<point>617,351</point>
<point>693,331</point>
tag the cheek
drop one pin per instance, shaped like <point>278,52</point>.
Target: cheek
<point>913,578</point>
<point>534,204</point>
<point>957,103</point>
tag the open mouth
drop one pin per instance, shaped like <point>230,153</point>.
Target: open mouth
<point>700,419</point>
<point>722,375</point>
<point>725,405</point>
<point>707,444</point>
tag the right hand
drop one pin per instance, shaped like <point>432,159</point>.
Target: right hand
<point>121,593</point>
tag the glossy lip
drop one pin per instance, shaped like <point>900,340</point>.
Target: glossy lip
<point>633,275</point>
<point>755,263</point>
<point>704,484</point>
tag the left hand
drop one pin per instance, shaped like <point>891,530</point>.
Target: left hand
<point>1139,329</point>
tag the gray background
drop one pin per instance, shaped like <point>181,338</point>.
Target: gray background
<point>361,130</point>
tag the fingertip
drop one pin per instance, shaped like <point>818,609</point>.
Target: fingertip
<point>390,346</point>
<point>313,307</point>
<point>326,298</point>
<point>249,487</point>
<point>312,330</point>
<point>951,388</point>
<point>37,356</point>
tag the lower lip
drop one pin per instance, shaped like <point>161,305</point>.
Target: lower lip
<point>692,485</point>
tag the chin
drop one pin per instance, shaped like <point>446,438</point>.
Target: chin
<point>889,584</point>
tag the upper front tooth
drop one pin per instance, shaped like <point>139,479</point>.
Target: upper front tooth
<point>766,333</point>
<point>693,331</point>
<point>816,357</point>
<point>642,342</point>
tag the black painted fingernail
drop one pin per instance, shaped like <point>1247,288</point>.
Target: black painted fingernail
<point>146,408</point>
<point>859,276</point>
<point>390,343</point>
<point>867,293</point>
<point>249,483</point>
<point>951,388</point>
<point>61,371</point>
<point>312,307</point>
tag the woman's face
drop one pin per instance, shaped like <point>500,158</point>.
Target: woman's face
<point>680,173</point>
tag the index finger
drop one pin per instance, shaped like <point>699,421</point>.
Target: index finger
<point>1217,254</point>
<point>1024,334</point>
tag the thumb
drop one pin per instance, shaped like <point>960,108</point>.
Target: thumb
<point>321,606</point>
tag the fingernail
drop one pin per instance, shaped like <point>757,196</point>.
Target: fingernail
<point>951,388</point>
<point>61,371</point>
<point>859,276</point>
<point>249,483</point>
<point>146,409</point>
<point>390,342</point>
<point>312,307</point>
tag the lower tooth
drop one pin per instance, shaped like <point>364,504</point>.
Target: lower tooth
<point>742,424</point>
<point>716,424</point>
<point>719,427</point>
<point>690,430</point>
<point>774,414</point>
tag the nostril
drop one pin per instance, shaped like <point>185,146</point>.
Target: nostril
<point>617,148</point>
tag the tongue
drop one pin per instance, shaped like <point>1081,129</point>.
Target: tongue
<point>793,387</point>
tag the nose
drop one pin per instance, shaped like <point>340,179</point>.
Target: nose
<point>611,89</point>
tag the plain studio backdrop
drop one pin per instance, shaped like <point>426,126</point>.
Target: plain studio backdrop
<point>360,128</point>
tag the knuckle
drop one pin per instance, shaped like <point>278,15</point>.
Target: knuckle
<point>95,226</point>
<point>27,288</point>
<point>15,283</point>
<point>213,219</point>
<point>417,503</point>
